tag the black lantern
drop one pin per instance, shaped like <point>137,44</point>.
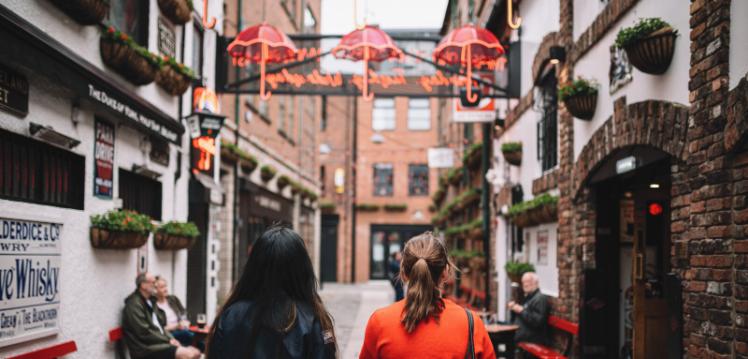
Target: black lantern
<point>202,123</point>
<point>557,54</point>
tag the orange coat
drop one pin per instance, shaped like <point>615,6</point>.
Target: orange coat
<point>386,336</point>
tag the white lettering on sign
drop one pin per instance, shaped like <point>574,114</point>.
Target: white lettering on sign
<point>269,203</point>
<point>29,280</point>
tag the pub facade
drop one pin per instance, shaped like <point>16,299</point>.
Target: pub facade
<point>640,166</point>
<point>92,99</point>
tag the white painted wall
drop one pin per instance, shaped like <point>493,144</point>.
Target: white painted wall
<point>671,86</point>
<point>548,272</point>
<point>539,17</point>
<point>738,41</point>
<point>585,12</point>
<point>94,282</point>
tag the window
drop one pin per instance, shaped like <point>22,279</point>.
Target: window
<point>383,115</point>
<point>419,114</point>
<point>547,130</point>
<point>282,113</point>
<point>140,193</point>
<point>323,120</point>
<point>418,180</point>
<point>197,51</point>
<point>310,23</point>
<point>33,171</point>
<point>322,179</point>
<point>131,17</point>
<point>383,179</point>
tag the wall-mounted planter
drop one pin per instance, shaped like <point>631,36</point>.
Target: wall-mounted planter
<point>126,60</point>
<point>649,44</point>
<point>327,207</point>
<point>85,12</point>
<point>267,173</point>
<point>365,207</point>
<point>582,106</point>
<point>282,182</point>
<point>395,207</point>
<point>173,81</point>
<point>512,152</point>
<point>473,156</point>
<point>454,176</point>
<point>106,239</point>
<point>539,210</point>
<point>170,242</point>
<point>178,11</point>
<point>248,165</point>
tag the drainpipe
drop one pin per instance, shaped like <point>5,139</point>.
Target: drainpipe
<point>235,236</point>
<point>486,211</point>
<point>354,154</point>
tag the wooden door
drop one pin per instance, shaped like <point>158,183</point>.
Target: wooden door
<point>650,310</point>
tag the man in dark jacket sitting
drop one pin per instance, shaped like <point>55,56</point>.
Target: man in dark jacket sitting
<point>143,325</point>
<point>532,314</point>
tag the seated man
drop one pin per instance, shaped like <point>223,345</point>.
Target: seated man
<point>532,314</point>
<point>143,325</point>
<point>176,316</point>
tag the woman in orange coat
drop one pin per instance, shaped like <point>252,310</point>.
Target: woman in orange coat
<point>424,325</point>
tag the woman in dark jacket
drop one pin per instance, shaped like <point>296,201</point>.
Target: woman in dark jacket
<point>274,310</point>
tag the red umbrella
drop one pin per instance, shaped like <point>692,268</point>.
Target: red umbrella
<point>262,44</point>
<point>367,43</point>
<point>468,46</point>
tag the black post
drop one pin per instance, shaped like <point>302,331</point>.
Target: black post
<point>486,210</point>
<point>354,153</point>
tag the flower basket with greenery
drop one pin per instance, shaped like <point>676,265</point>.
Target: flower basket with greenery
<point>580,98</point>
<point>174,77</point>
<point>472,156</point>
<point>327,207</point>
<point>515,270</point>
<point>85,12</point>
<point>283,181</point>
<point>120,229</point>
<point>395,207</point>
<point>267,173</point>
<point>454,176</point>
<point>512,152</point>
<point>650,45</point>
<point>539,210</point>
<point>230,151</point>
<point>367,207</point>
<point>175,235</point>
<point>178,11</point>
<point>432,208</point>
<point>296,187</point>
<point>134,62</point>
<point>309,194</point>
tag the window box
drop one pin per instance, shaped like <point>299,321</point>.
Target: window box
<point>267,173</point>
<point>650,45</point>
<point>539,210</point>
<point>120,230</point>
<point>174,77</point>
<point>132,61</point>
<point>400,207</point>
<point>367,207</point>
<point>515,270</point>
<point>85,12</point>
<point>327,207</point>
<point>580,98</point>
<point>178,11</point>
<point>512,152</point>
<point>176,235</point>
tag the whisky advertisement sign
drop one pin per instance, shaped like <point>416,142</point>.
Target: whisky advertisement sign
<point>29,280</point>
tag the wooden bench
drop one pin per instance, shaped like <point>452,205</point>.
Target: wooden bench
<point>544,352</point>
<point>54,351</point>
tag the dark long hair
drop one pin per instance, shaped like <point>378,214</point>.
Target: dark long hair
<point>277,276</point>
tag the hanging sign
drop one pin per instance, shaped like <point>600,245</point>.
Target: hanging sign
<point>203,152</point>
<point>485,111</point>
<point>29,280</point>
<point>103,159</point>
<point>14,92</point>
<point>441,157</point>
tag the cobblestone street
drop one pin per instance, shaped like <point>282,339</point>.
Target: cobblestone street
<point>351,305</point>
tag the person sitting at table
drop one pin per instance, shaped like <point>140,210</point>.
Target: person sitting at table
<point>143,325</point>
<point>531,315</point>
<point>176,316</point>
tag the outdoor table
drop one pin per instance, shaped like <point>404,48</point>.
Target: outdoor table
<point>200,334</point>
<point>502,334</point>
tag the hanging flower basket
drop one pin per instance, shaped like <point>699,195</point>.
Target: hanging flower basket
<point>515,270</point>
<point>169,242</point>
<point>580,98</point>
<point>650,45</point>
<point>174,77</point>
<point>178,11</point>
<point>512,152</point>
<point>106,239</point>
<point>539,210</point>
<point>296,188</point>
<point>267,173</point>
<point>122,54</point>
<point>248,166</point>
<point>227,151</point>
<point>454,176</point>
<point>120,230</point>
<point>282,182</point>
<point>472,157</point>
<point>85,12</point>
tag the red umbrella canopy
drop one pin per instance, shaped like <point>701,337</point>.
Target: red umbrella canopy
<point>354,45</point>
<point>483,46</point>
<point>248,44</point>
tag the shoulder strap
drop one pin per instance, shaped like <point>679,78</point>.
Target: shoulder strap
<point>470,354</point>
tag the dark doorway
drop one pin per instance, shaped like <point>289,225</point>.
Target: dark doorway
<point>388,239</point>
<point>628,289</point>
<point>329,248</point>
<point>199,203</point>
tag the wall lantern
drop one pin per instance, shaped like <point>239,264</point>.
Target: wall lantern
<point>557,54</point>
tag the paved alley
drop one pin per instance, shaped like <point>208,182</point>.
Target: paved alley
<point>351,305</point>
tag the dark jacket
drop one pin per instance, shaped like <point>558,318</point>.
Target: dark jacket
<point>142,337</point>
<point>232,337</point>
<point>533,320</point>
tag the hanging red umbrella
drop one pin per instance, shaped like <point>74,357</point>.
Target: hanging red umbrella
<point>367,43</point>
<point>469,46</point>
<point>262,44</point>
